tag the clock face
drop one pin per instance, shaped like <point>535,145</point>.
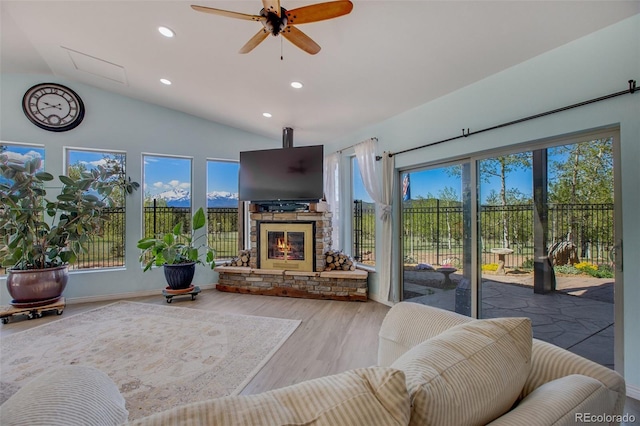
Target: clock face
<point>53,107</point>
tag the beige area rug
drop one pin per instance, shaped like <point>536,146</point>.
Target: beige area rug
<point>159,356</point>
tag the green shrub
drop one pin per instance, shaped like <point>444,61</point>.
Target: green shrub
<point>566,269</point>
<point>528,263</point>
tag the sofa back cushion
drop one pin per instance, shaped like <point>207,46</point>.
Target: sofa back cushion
<point>469,374</point>
<point>366,396</point>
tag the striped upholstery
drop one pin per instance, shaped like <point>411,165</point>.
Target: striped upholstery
<point>73,395</point>
<point>549,362</point>
<point>470,374</point>
<point>557,402</point>
<point>367,396</point>
<point>408,324</point>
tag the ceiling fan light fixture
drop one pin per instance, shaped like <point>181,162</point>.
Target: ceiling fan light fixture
<point>166,31</point>
<point>165,81</point>
<point>267,114</point>
<point>296,85</point>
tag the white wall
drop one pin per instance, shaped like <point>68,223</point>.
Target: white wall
<point>596,65</point>
<point>121,123</point>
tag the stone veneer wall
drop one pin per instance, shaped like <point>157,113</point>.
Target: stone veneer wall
<point>334,285</point>
<point>322,238</point>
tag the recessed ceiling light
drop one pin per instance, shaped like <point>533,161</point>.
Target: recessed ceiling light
<point>165,81</point>
<point>167,32</point>
<point>266,114</point>
<point>296,85</point>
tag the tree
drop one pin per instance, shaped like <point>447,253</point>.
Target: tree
<point>500,167</point>
<point>449,198</point>
<point>582,173</point>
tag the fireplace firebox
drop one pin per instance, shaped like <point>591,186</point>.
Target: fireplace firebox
<point>287,245</point>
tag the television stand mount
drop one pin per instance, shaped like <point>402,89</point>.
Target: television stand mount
<point>284,206</point>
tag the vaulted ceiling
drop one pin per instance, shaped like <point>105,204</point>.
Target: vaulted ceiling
<point>382,59</point>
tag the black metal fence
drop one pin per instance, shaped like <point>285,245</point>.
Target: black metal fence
<point>364,232</point>
<point>222,231</point>
<point>222,226</point>
<point>433,234</point>
<point>107,249</point>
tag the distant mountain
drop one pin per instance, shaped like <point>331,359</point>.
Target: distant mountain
<point>181,198</point>
<point>222,199</point>
<point>176,197</point>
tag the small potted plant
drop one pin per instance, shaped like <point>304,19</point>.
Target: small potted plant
<point>42,236</point>
<point>178,252</point>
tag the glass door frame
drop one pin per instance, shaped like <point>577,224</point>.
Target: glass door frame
<point>476,274</point>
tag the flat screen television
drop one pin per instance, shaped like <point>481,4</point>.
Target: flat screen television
<point>282,175</point>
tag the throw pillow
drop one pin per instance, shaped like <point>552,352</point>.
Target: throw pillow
<point>73,395</point>
<point>469,374</point>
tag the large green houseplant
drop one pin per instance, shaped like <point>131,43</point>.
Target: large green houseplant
<point>178,252</point>
<point>41,236</point>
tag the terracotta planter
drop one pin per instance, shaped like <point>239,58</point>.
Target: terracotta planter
<point>36,287</point>
<point>180,275</point>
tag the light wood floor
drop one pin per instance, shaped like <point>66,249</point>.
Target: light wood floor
<point>333,337</point>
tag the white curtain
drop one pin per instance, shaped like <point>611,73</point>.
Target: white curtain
<point>378,182</point>
<point>332,195</point>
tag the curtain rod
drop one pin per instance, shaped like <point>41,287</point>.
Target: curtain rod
<point>630,90</point>
<point>351,146</point>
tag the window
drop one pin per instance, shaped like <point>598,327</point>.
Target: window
<point>167,193</point>
<point>222,207</point>
<point>106,250</point>
<point>363,220</point>
<point>18,153</point>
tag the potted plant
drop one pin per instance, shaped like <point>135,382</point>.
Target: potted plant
<point>178,252</point>
<point>42,236</point>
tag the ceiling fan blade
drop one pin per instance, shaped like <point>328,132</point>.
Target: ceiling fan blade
<point>319,12</point>
<point>255,40</point>
<point>300,39</point>
<point>228,13</point>
<point>272,6</point>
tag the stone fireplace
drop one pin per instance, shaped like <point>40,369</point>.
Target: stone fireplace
<point>286,245</point>
<point>287,258</point>
<point>306,230</point>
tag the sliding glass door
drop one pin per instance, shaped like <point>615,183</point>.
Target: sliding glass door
<point>534,233</point>
<point>436,237</point>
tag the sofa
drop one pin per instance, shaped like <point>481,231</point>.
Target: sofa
<point>435,367</point>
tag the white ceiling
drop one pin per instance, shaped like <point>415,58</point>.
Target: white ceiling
<point>384,58</point>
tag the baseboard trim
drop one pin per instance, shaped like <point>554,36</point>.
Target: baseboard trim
<point>375,298</point>
<point>120,296</point>
<point>633,392</point>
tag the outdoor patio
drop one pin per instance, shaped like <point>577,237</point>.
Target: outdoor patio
<point>578,316</point>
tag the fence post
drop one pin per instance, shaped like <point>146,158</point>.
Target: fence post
<point>154,218</point>
<point>438,230</point>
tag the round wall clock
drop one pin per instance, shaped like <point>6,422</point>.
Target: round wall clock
<point>53,107</point>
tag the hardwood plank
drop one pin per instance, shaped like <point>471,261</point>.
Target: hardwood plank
<point>334,336</point>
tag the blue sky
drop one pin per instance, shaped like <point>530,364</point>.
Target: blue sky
<point>436,180</point>
<point>166,173</point>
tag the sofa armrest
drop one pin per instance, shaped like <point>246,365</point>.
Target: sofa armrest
<point>565,401</point>
<point>72,395</point>
<point>408,324</point>
<point>550,362</point>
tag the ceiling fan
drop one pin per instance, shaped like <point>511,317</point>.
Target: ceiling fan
<point>277,20</point>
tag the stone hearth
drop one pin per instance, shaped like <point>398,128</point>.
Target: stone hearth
<point>334,285</point>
